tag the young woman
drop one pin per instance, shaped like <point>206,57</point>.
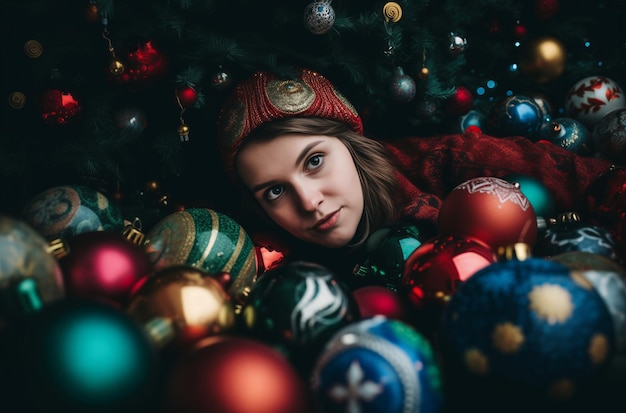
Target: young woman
<point>296,148</point>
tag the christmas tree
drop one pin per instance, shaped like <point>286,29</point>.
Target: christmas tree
<point>123,96</point>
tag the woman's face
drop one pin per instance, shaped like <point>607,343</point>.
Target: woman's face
<point>307,184</point>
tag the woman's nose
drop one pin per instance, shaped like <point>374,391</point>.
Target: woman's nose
<point>309,197</point>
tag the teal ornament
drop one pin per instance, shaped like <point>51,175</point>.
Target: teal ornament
<point>386,252</point>
<point>377,365</point>
<point>516,115</point>
<point>526,333</point>
<point>609,137</point>
<point>403,87</point>
<point>62,212</point>
<point>297,307</point>
<point>539,196</point>
<point>208,240</point>
<point>83,356</point>
<point>569,134</point>
<point>473,118</point>
<point>30,277</point>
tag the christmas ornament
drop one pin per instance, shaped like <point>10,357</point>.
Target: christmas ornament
<point>33,49</point>
<point>434,271</point>
<point>519,31</point>
<point>473,119</point>
<point>373,300</point>
<point>221,79</point>
<point>26,266</point>
<point>375,365</point>
<point>543,59</point>
<point>539,196</point>
<point>183,130</point>
<point>460,102</point>
<point>319,16</point>
<point>187,96</point>
<point>142,66</point>
<point>545,106</point>
<point>297,307</point>
<point>271,252</point>
<point>59,107</point>
<point>92,12</point>
<point>609,279</point>
<point>569,134</point>
<point>68,210</point>
<point>604,202</point>
<point>489,209</point>
<point>526,332</point>
<point>609,137</point>
<point>402,86</point>
<point>103,265</point>
<point>131,119</point>
<point>592,98</point>
<point>17,100</point>
<point>458,44</point>
<point>208,240</point>
<point>85,356</point>
<point>516,115</point>
<point>571,233</point>
<point>228,374</point>
<point>392,12</point>
<point>179,305</point>
<point>386,252</point>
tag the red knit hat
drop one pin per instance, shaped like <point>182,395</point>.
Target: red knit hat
<point>263,97</point>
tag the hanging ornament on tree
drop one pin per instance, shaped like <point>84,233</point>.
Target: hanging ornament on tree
<point>460,102</point>
<point>319,17</point>
<point>392,12</point>
<point>221,79</point>
<point>92,12</point>
<point>143,65</point>
<point>185,97</point>
<point>402,86</point>
<point>543,59</point>
<point>609,137</point>
<point>592,98</point>
<point>116,66</point>
<point>59,106</point>
<point>457,44</point>
<point>569,134</point>
<point>472,120</point>
<point>131,119</point>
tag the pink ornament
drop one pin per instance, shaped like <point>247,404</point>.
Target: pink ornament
<point>104,266</point>
<point>491,210</point>
<point>592,98</point>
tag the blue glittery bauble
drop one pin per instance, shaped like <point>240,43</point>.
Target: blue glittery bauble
<point>403,87</point>
<point>377,365</point>
<point>533,324</point>
<point>569,134</point>
<point>516,115</point>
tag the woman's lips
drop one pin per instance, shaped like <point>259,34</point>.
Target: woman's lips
<point>327,222</point>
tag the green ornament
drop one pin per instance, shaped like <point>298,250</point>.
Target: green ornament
<point>207,240</point>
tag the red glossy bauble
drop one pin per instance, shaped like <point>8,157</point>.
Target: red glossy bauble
<point>103,265</point>
<point>187,96</point>
<point>491,210</point>
<point>460,102</point>
<point>270,251</point>
<point>375,300</point>
<point>226,374</point>
<point>59,107</point>
<point>605,202</point>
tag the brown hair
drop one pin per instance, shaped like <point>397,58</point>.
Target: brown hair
<point>377,172</point>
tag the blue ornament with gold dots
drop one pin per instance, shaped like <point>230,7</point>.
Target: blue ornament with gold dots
<point>569,134</point>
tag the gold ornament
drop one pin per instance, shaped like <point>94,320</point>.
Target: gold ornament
<point>33,49</point>
<point>424,72</point>
<point>183,132</point>
<point>543,59</point>
<point>17,100</point>
<point>116,67</point>
<point>392,12</point>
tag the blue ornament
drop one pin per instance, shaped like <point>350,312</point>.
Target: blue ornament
<point>377,365</point>
<point>540,197</point>
<point>533,330</point>
<point>471,118</point>
<point>516,115</point>
<point>569,134</point>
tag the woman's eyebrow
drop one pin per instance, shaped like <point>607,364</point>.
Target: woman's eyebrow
<point>306,150</point>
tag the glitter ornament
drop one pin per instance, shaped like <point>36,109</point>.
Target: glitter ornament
<point>319,17</point>
<point>569,134</point>
<point>377,365</point>
<point>525,332</point>
<point>402,86</point>
<point>609,137</point>
<point>592,98</point>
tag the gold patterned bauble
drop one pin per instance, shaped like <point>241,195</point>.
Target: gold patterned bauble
<point>17,100</point>
<point>33,49</point>
<point>180,305</point>
<point>116,67</point>
<point>392,12</point>
<point>543,59</point>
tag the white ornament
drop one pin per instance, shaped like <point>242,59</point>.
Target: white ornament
<point>593,97</point>
<point>319,17</point>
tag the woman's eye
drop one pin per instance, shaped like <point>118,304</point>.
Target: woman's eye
<point>315,162</point>
<point>273,192</point>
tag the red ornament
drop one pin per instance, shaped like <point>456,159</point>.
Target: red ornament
<point>460,102</point>
<point>143,66</point>
<point>187,96</point>
<point>270,252</point>
<point>519,31</point>
<point>605,202</point>
<point>491,210</point>
<point>59,107</point>
<point>375,300</point>
<point>224,374</point>
<point>103,265</point>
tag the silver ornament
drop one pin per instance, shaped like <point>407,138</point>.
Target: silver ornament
<point>319,17</point>
<point>458,44</point>
<point>402,86</point>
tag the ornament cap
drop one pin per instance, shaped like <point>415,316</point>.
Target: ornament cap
<point>519,251</point>
<point>568,217</point>
<point>58,248</point>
